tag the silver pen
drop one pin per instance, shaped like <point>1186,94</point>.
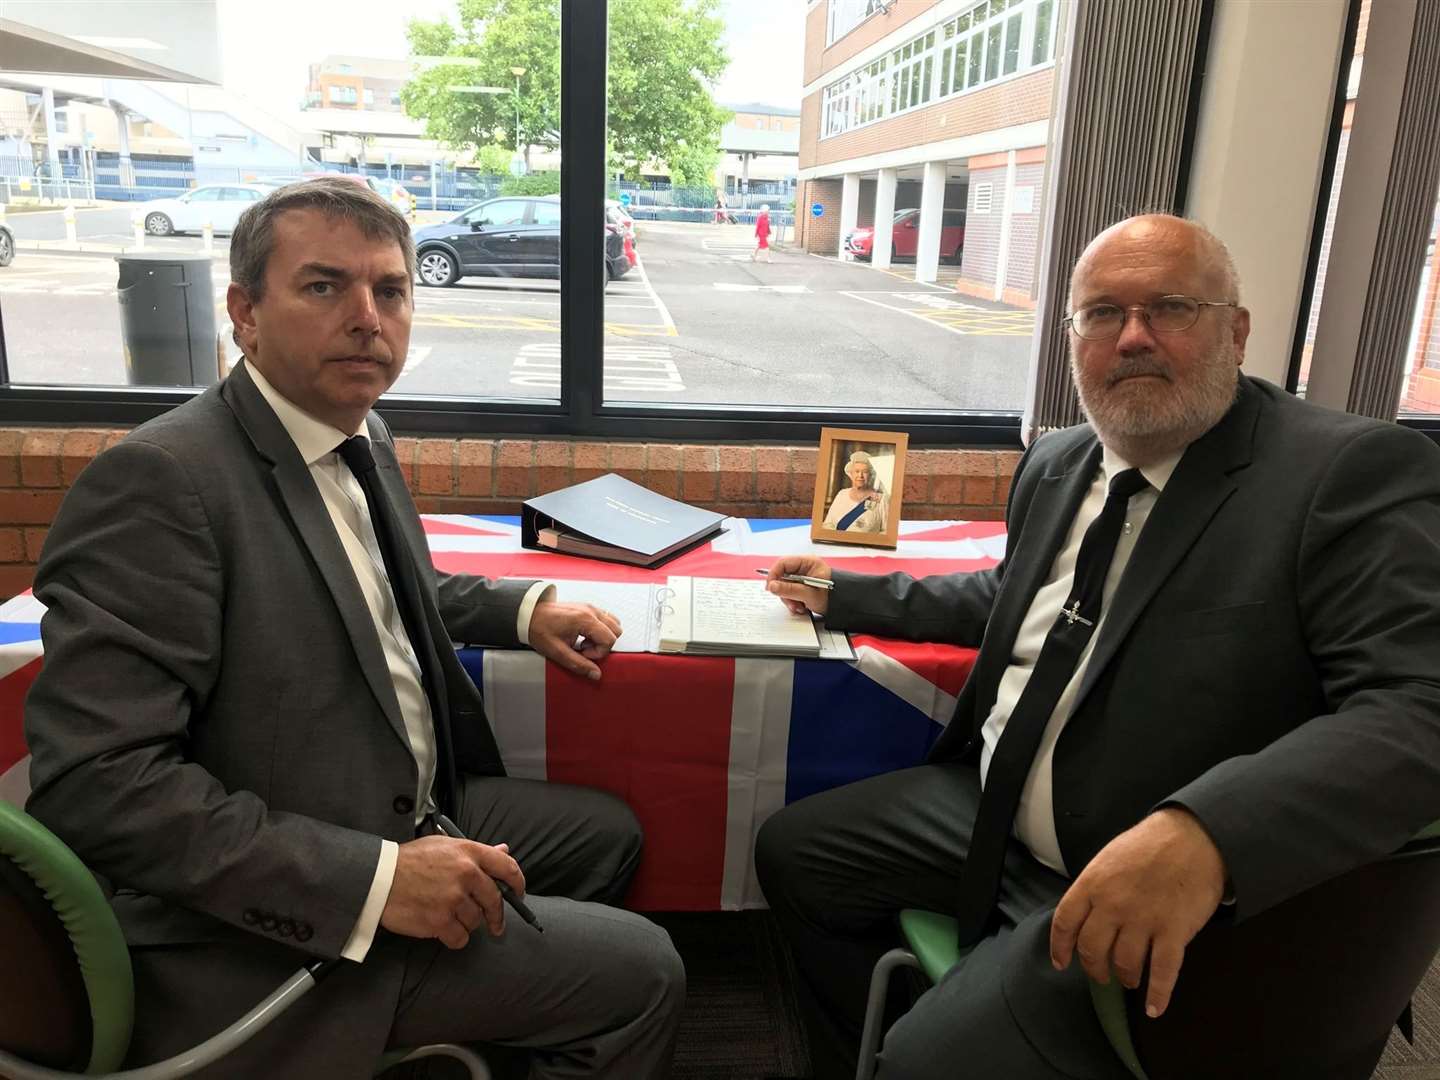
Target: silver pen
<point>802,579</point>
<point>449,828</point>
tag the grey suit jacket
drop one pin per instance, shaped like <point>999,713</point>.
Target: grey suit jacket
<point>1270,659</point>
<point>214,729</point>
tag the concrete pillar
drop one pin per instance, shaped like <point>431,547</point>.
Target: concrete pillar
<point>849,209</point>
<point>1007,213</point>
<point>882,246</point>
<point>932,206</point>
<point>52,138</point>
<point>122,127</point>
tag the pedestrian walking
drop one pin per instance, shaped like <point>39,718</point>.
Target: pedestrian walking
<point>762,235</point>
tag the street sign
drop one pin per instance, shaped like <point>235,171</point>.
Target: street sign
<point>624,198</point>
<point>817,209</point>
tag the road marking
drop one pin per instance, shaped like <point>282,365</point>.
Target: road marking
<point>655,297</point>
<point>733,286</point>
<point>965,323</point>
<point>417,356</point>
<point>647,368</point>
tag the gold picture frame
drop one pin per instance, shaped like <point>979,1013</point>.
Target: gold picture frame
<point>851,507</point>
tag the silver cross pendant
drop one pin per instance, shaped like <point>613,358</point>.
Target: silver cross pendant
<point>1072,615</point>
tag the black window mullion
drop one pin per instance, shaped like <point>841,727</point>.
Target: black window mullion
<point>583,45</point>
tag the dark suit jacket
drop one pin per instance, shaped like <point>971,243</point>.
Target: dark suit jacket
<point>1270,659</point>
<point>214,729</point>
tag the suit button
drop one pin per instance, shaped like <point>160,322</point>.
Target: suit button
<point>250,917</point>
<point>268,922</point>
<point>303,932</point>
<point>403,804</point>
<point>287,927</point>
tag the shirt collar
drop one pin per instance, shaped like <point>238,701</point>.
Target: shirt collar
<point>313,438</point>
<point>1158,473</point>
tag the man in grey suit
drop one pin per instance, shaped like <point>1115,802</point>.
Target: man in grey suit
<point>250,714</point>
<point>1257,710</point>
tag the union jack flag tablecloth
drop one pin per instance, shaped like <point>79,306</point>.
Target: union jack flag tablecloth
<point>703,749</point>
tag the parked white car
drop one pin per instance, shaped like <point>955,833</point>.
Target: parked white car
<point>219,204</point>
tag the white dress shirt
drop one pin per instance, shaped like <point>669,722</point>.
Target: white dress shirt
<point>350,514</point>
<point>1035,818</point>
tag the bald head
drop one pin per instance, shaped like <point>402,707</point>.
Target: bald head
<point>1161,241</point>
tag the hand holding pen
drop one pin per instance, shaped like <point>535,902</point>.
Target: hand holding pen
<point>507,894</point>
<point>802,582</point>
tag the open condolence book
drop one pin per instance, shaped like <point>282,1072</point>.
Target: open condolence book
<point>707,616</point>
<point>612,518</point>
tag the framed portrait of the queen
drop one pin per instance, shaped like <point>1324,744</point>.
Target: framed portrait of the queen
<point>859,486</point>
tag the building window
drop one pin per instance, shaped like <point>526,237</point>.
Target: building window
<point>369,98</point>
<point>991,41</point>
<point>845,15</point>
<point>342,95</point>
<point>983,195</point>
<point>394,97</point>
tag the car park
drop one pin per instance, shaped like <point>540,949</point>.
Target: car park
<point>905,236</point>
<point>219,204</point>
<point>510,236</point>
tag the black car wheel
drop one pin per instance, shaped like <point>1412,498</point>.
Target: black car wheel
<point>7,247</point>
<point>157,224</point>
<point>438,268</point>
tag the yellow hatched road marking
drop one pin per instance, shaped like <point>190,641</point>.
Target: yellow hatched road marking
<point>983,323</point>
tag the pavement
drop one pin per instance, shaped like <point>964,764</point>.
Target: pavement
<point>696,322</point>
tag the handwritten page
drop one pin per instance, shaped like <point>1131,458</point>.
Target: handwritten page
<point>741,613</point>
<point>631,602</point>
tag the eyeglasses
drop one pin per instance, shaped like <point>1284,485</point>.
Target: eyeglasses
<point>1167,315</point>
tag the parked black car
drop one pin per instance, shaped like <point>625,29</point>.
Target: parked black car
<point>7,246</point>
<point>511,236</point>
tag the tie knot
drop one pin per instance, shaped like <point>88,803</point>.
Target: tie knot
<point>356,452</point>
<point>1127,483</point>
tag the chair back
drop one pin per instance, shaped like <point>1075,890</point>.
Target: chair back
<point>66,988</point>
<point>1307,989</point>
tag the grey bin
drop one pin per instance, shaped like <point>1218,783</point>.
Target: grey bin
<point>167,319</point>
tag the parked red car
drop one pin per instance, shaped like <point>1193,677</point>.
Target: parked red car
<point>905,236</point>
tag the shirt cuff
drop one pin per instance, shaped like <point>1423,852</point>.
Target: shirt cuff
<point>541,591</point>
<point>363,936</point>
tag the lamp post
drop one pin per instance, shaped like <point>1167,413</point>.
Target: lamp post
<point>517,72</point>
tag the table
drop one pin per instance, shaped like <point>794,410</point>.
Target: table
<point>704,749</point>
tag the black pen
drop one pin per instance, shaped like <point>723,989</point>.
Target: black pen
<point>506,893</point>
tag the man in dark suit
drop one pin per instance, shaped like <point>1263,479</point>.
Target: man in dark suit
<point>1257,710</point>
<point>250,714</point>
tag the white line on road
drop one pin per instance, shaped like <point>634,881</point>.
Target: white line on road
<point>654,370</point>
<point>735,286</point>
<point>659,304</point>
<point>417,356</point>
<point>905,311</point>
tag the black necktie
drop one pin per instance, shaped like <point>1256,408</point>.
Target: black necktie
<point>404,578</point>
<point>1015,752</point>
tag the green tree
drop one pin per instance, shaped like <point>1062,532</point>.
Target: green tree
<point>664,55</point>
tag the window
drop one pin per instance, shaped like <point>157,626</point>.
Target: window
<point>845,15</point>
<point>993,40</point>
<point>369,98</point>
<point>394,97</point>
<point>669,329</point>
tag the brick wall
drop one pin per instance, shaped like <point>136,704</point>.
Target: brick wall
<point>981,256</point>
<point>820,234</point>
<point>1025,231</point>
<point>493,476</point>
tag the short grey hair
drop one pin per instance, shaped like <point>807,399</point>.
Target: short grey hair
<point>1215,256</point>
<point>253,241</point>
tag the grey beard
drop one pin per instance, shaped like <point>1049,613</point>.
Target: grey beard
<point>1177,418</point>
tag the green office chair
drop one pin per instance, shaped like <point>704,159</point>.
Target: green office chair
<point>67,991</point>
<point>1307,990</point>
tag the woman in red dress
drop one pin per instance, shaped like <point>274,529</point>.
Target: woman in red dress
<point>762,235</point>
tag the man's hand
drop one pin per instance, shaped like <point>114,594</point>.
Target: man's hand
<point>1148,891</point>
<point>575,636</point>
<point>443,889</point>
<point>800,598</point>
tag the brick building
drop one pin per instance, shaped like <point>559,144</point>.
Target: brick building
<point>930,104</point>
